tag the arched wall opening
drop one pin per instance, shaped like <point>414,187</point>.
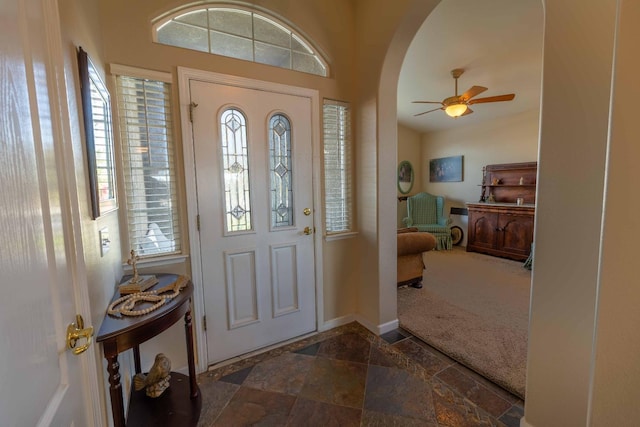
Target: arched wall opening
<point>579,363</point>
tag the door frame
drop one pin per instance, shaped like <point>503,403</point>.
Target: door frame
<point>185,75</point>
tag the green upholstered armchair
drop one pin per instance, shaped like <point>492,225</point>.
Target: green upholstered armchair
<point>425,212</point>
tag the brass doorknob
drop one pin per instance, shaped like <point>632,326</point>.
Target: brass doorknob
<point>76,331</point>
<point>306,211</point>
<point>308,230</point>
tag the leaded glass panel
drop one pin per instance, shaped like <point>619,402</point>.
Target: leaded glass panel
<point>280,171</point>
<point>267,31</point>
<point>241,34</point>
<point>235,166</point>
<point>297,45</point>
<point>197,17</point>
<point>272,55</point>
<point>232,46</point>
<point>307,63</point>
<point>183,35</point>
<point>231,21</point>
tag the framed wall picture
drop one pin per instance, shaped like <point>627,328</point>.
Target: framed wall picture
<point>96,111</point>
<point>446,169</point>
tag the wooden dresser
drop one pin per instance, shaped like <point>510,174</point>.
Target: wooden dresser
<point>502,227</point>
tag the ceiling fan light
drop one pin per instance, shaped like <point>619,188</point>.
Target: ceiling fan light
<point>456,110</point>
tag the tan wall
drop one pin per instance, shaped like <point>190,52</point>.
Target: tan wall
<point>126,28</point>
<point>576,376</point>
<point>616,382</point>
<point>509,140</point>
<point>127,35</point>
<point>583,342</point>
<point>399,23</point>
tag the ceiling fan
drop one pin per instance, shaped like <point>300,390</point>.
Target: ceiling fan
<point>458,105</point>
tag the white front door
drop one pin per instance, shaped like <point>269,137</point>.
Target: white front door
<point>41,381</point>
<point>253,161</point>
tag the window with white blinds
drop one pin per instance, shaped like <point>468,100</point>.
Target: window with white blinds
<point>148,151</point>
<point>337,167</point>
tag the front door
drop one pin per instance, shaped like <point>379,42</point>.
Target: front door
<point>41,382</point>
<point>253,160</point>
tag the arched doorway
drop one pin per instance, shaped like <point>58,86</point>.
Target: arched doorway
<point>512,377</point>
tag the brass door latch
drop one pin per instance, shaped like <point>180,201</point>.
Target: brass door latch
<point>75,331</point>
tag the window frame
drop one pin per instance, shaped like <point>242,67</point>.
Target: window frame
<point>164,257</point>
<point>295,35</point>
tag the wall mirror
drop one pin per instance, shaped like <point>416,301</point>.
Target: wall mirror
<point>405,177</point>
<point>98,129</point>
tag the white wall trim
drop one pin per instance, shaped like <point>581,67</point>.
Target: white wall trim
<point>184,76</point>
<point>156,262</point>
<point>338,321</point>
<point>340,236</point>
<point>388,327</point>
<point>524,423</point>
<point>141,73</point>
<point>377,329</point>
<point>192,203</point>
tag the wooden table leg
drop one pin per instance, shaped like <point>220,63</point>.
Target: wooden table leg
<point>115,390</point>
<point>188,329</point>
<point>136,359</point>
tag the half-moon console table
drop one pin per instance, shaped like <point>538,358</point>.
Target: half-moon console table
<point>180,404</point>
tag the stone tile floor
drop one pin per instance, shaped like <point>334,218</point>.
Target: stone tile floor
<point>349,377</point>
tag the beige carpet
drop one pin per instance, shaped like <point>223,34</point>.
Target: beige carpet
<point>474,308</point>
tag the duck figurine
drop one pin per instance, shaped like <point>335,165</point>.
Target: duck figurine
<point>157,380</point>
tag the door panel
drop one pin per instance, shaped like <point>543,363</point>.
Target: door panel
<point>253,174</point>
<point>284,282</point>
<point>517,234</point>
<point>242,291</point>
<point>41,380</point>
<point>482,229</point>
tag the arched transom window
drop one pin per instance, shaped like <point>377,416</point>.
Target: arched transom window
<point>241,34</point>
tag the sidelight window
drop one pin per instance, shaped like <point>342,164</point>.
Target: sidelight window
<point>338,196</point>
<point>149,170</point>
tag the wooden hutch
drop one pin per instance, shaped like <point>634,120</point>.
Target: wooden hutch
<point>498,224</point>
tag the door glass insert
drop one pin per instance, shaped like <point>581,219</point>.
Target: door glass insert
<point>280,164</point>
<point>235,167</point>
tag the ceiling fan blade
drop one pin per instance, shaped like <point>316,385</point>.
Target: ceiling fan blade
<point>496,98</point>
<point>475,90</point>
<point>426,102</point>
<point>435,109</point>
<point>469,111</point>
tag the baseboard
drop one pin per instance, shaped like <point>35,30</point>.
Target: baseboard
<point>364,322</point>
<point>334,323</point>
<point>388,327</point>
<point>376,329</point>
<point>524,423</point>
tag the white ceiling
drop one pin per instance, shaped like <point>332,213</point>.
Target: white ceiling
<point>499,45</point>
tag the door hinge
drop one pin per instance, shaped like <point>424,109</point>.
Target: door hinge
<point>192,106</point>
<point>198,221</point>
<point>204,322</point>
